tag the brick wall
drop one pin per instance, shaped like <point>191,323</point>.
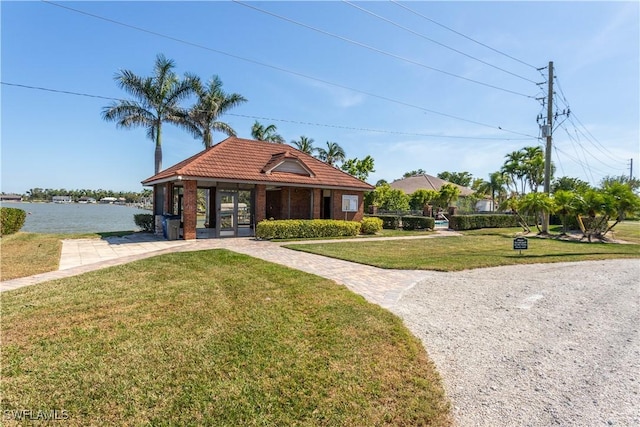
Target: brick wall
<point>337,205</point>
<point>261,202</point>
<point>190,209</point>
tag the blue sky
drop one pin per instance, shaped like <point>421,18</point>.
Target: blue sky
<point>386,101</point>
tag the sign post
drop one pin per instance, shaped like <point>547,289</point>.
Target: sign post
<point>520,244</point>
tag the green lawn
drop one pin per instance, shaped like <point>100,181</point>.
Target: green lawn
<point>25,254</point>
<point>212,338</point>
<point>475,249</point>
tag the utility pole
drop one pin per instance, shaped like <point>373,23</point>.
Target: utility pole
<point>631,169</point>
<point>547,154</point>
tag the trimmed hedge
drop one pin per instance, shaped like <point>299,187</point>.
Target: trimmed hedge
<point>406,222</point>
<point>306,228</point>
<point>418,223</point>
<point>474,222</point>
<point>146,222</point>
<point>11,220</point>
<point>389,222</point>
<point>370,225</point>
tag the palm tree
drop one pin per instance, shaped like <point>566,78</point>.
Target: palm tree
<point>202,118</point>
<point>334,153</point>
<point>156,101</point>
<point>536,205</point>
<point>564,202</point>
<point>513,167</point>
<point>494,186</point>
<point>304,144</point>
<point>534,167</point>
<point>268,133</point>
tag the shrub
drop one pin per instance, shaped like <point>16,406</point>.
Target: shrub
<point>306,228</point>
<point>370,225</point>
<point>11,220</point>
<point>473,222</point>
<point>389,222</point>
<point>146,222</point>
<point>418,223</point>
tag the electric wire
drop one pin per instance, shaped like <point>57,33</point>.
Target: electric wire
<point>67,92</point>
<point>555,149</point>
<point>462,35</point>
<point>274,67</point>
<point>435,41</point>
<point>592,139</point>
<point>380,51</point>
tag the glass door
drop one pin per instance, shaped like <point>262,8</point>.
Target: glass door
<point>227,223</point>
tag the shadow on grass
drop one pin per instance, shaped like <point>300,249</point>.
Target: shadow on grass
<point>567,255</point>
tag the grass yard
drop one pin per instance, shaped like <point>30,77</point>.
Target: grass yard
<point>212,338</point>
<point>25,254</point>
<point>475,249</point>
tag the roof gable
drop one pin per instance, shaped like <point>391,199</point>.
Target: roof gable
<point>286,162</point>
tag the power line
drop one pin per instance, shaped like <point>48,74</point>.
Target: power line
<point>274,67</point>
<point>435,41</point>
<point>67,92</point>
<point>463,35</point>
<point>588,152</point>
<point>592,139</point>
<point>378,130</point>
<point>60,91</point>
<point>375,49</point>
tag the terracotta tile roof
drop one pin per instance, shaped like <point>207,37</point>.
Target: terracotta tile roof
<point>425,182</point>
<point>245,160</point>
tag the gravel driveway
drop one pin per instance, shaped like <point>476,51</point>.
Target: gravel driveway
<point>534,345</point>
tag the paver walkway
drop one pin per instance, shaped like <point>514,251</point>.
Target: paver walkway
<point>379,286</point>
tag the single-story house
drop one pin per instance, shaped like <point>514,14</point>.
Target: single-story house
<point>427,182</point>
<point>10,198</point>
<point>61,199</point>
<point>247,181</point>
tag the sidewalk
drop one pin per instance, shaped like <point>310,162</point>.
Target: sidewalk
<point>380,286</point>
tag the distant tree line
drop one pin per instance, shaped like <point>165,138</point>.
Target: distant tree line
<point>46,194</point>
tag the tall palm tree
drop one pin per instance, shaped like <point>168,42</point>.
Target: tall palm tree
<point>334,153</point>
<point>513,167</point>
<point>534,167</point>
<point>156,101</point>
<point>268,133</point>
<point>304,144</point>
<point>202,117</point>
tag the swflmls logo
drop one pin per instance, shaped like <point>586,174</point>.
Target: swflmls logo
<point>35,415</point>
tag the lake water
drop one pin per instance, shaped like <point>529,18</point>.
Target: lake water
<point>77,218</point>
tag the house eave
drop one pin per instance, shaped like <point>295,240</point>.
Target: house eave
<point>178,179</point>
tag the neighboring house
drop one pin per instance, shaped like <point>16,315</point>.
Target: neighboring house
<point>426,182</point>
<point>61,199</point>
<point>248,181</point>
<point>10,197</point>
<point>86,199</point>
<point>108,200</point>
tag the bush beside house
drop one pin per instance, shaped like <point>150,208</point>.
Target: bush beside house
<point>11,220</point>
<point>306,228</point>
